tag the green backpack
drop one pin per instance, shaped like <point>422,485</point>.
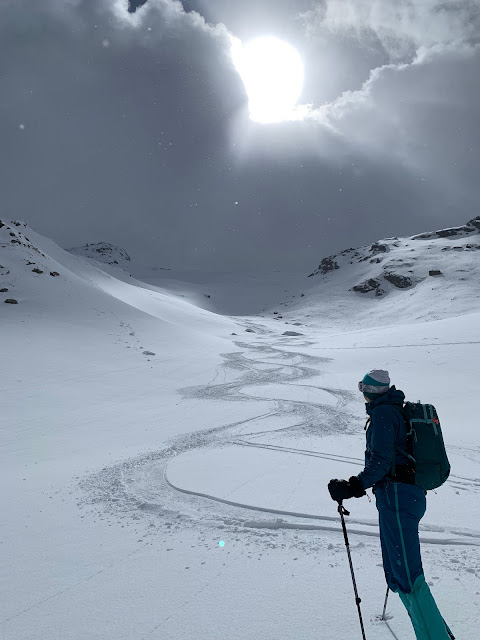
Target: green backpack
<point>425,445</point>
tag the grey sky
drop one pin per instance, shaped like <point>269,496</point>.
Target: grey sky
<point>134,129</point>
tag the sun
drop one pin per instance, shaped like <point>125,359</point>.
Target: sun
<point>272,72</point>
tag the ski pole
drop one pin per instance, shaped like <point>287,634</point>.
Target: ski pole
<point>385,606</point>
<point>384,618</point>
<point>342,511</point>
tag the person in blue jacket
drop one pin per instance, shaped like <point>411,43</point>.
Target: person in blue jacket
<point>400,503</point>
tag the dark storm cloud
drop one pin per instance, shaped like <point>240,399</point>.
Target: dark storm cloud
<point>132,127</point>
<point>122,118</point>
<point>134,4</point>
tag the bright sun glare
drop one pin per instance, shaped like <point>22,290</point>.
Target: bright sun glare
<point>272,72</point>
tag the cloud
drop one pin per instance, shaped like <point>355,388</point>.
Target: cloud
<point>410,32</point>
<point>164,17</point>
<point>401,27</point>
<point>169,14</point>
<point>434,58</point>
<point>422,115</point>
<point>136,132</point>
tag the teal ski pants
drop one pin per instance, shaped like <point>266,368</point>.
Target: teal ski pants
<point>400,509</point>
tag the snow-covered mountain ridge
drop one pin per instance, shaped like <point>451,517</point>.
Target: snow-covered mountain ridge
<point>399,268</point>
<point>103,252</point>
<point>429,276</point>
<point>29,258</point>
<point>51,283</point>
<point>425,277</point>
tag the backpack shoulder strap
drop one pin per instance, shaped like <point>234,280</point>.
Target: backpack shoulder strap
<point>401,450</point>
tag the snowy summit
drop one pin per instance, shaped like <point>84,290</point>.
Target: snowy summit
<point>103,252</point>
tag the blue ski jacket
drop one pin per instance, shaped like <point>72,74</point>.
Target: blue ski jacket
<point>386,433</point>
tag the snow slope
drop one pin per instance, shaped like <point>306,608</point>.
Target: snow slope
<point>123,471</point>
<point>422,278</point>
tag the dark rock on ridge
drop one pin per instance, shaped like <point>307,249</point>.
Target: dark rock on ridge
<point>473,226</point>
<point>327,264</point>
<point>372,284</point>
<point>401,282</point>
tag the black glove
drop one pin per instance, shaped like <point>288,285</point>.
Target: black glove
<point>343,490</point>
<point>357,488</point>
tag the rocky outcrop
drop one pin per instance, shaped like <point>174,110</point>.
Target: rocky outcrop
<point>375,254</point>
<point>327,265</point>
<point>367,286</point>
<point>103,252</point>
<point>401,282</point>
<point>475,222</point>
<point>378,284</point>
<point>376,248</point>
<point>464,247</point>
<point>16,235</point>
<point>402,264</point>
<point>472,227</point>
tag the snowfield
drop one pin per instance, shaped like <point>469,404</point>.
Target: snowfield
<point>165,479</point>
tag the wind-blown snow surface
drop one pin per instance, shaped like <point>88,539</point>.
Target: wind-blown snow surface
<point>122,471</point>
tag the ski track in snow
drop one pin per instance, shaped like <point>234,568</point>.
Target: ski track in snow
<point>141,486</point>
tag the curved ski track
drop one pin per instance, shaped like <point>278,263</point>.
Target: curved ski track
<point>141,485</point>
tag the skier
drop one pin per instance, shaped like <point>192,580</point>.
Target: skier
<point>400,503</point>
